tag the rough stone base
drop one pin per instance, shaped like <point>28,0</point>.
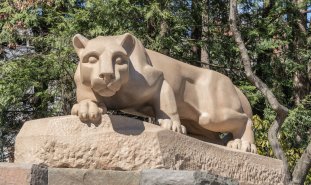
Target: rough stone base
<point>121,143</point>
<point>10,174</point>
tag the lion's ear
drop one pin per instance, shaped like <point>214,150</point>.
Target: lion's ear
<point>79,42</point>
<point>128,43</point>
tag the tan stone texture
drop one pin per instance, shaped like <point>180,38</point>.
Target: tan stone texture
<point>11,174</point>
<point>122,143</point>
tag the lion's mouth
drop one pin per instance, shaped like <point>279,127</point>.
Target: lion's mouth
<point>105,87</point>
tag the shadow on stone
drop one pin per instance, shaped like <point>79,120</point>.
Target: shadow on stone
<point>129,127</point>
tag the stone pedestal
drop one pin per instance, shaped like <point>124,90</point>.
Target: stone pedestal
<point>27,174</point>
<point>23,174</point>
<point>121,143</point>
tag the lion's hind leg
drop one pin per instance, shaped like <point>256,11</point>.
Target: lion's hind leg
<point>243,139</point>
<point>228,120</point>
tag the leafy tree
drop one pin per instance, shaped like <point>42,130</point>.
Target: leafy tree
<point>281,113</point>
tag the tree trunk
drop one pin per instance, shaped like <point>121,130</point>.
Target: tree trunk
<point>301,85</point>
<point>39,103</point>
<point>205,21</point>
<point>301,82</point>
<point>281,111</point>
<point>196,31</point>
<point>163,33</point>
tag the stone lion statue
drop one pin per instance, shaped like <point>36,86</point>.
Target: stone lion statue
<point>117,72</point>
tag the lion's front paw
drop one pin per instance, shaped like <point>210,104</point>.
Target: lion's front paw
<point>172,125</point>
<point>243,145</point>
<point>88,111</point>
<point>249,147</point>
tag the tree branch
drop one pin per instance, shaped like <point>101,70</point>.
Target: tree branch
<point>281,111</point>
<point>302,167</point>
<point>305,11</point>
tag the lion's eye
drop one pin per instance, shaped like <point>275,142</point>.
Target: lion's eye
<point>92,60</point>
<point>119,60</point>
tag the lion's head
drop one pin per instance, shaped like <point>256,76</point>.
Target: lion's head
<point>104,61</point>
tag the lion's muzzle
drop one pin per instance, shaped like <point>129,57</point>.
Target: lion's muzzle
<point>107,78</point>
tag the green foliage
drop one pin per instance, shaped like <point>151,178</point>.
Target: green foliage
<point>297,126</point>
<point>296,133</point>
<point>254,96</point>
<point>261,128</point>
<point>39,82</point>
<point>294,136</point>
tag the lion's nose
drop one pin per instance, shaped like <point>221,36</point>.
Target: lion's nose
<point>106,76</point>
<point>106,70</point>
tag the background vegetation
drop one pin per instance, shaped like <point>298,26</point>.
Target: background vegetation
<point>37,60</point>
